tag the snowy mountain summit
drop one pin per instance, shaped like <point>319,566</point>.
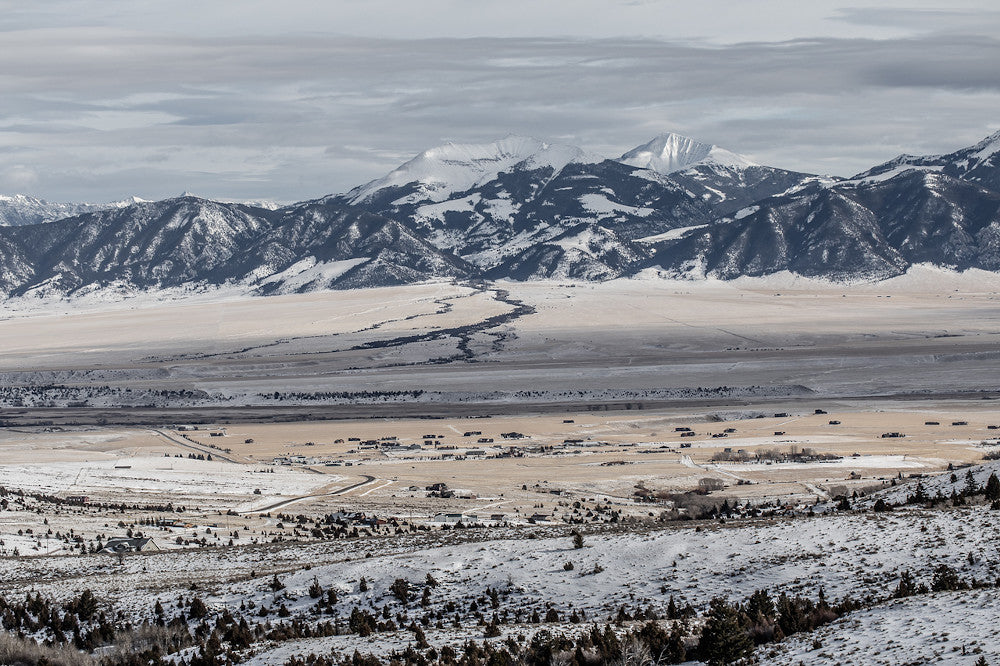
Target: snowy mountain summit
<point>979,163</point>
<point>20,209</point>
<point>524,209</point>
<point>669,152</point>
<point>452,168</point>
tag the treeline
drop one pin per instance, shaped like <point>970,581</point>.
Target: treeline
<point>58,395</point>
<point>280,396</point>
<point>970,491</point>
<point>727,632</point>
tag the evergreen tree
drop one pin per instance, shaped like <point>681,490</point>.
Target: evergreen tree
<point>946,578</point>
<point>993,488</point>
<point>675,652</point>
<point>971,487</point>
<point>198,608</point>
<point>919,495</point>
<point>723,639</point>
<point>907,586</point>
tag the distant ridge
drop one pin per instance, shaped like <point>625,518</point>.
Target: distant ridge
<point>524,209</point>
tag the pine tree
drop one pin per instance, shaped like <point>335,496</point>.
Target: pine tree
<point>672,609</point>
<point>723,639</point>
<point>971,487</point>
<point>907,587</point>
<point>993,488</point>
<point>400,588</point>
<point>198,609</point>
<point>675,652</point>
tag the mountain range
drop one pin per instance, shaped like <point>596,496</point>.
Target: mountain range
<point>523,209</point>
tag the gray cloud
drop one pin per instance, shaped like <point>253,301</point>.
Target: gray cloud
<point>100,111</point>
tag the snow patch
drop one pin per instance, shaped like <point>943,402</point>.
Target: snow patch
<point>672,234</point>
<point>310,272</point>
<point>601,205</point>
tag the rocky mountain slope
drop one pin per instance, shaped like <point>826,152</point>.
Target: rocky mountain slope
<point>935,210</point>
<point>523,209</point>
<point>175,242</point>
<point>496,204</point>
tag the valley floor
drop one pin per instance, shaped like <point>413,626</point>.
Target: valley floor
<point>392,468</point>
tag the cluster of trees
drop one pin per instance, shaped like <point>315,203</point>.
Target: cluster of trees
<point>944,578</point>
<point>729,632</point>
<point>726,632</point>
<point>970,491</point>
<point>57,395</point>
<point>349,396</point>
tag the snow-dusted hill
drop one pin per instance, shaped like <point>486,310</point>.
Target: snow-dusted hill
<point>978,164</point>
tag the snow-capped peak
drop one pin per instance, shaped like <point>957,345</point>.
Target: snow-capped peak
<point>670,152</point>
<point>986,148</point>
<point>455,167</point>
<point>125,203</point>
<point>21,209</point>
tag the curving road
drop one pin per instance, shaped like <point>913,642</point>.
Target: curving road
<point>292,500</point>
<point>189,444</point>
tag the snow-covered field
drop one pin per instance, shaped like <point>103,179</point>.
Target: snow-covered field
<point>166,479</point>
<point>944,627</point>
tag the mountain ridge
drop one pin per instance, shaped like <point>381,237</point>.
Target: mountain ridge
<point>523,209</point>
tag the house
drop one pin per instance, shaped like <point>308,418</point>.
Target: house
<point>448,518</point>
<point>129,545</point>
<point>77,499</point>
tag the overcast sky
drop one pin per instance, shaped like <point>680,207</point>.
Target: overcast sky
<point>246,99</point>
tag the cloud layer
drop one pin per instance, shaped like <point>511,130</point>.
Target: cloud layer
<point>142,102</point>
